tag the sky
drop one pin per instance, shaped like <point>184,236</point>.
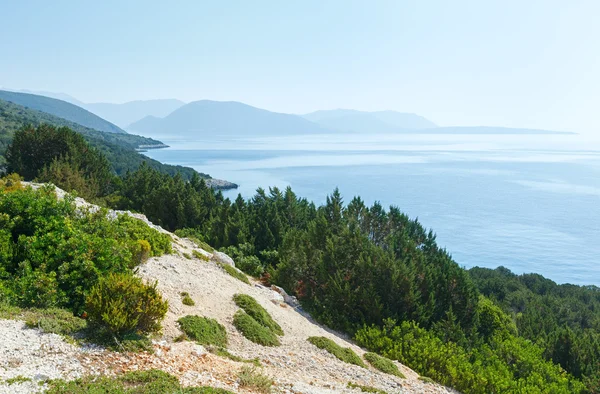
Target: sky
<point>508,63</point>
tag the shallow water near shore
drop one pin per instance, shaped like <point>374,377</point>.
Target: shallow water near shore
<point>529,203</point>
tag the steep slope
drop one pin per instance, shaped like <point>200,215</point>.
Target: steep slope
<point>213,119</point>
<point>295,367</point>
<point>62,109</point>
<point>369,122</point>
<point>127,113</point>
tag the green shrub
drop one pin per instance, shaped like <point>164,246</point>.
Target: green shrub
<point>122,303</point>
<point>140,251</point>
<point>365,389</point>
<point>426,379</point>
<point>204,330</point>
<point>383,364</point>
<point>235,273</point>
<point>344,354</point>
<point>53,320</point>
<point>250,378</point>
<point>187,256</point>
<point>186,299</point>
<point>37,289</point>
<point>253,308</point>
<point>136,382</point>
<point>253,330</point>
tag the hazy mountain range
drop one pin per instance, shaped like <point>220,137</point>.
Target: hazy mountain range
<point>210,119</point>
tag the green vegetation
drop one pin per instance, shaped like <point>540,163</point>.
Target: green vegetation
<point>17,380</point>
<point>195,236</point>
<point>187,256</point>
<point>200,256</point>
<point>383,364</point>
<point>186,299</point>
<point>235,273</point>
<point>365,389</point>
<point>257,312</point>
<point>222,352</point>
<point>253,330</point>
<point>51,320</point>
<point>372,273</point>
<point>251,378</point>
<point>121,303</point>
<point>344,354</point>
<point>137,382</point>
<point>204,330</point>
<point>53,255</point>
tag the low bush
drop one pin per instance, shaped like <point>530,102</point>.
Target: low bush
<point>253,330</point>
<point>204,330</point>
<point>344,354</point>
<point>137,382</point>
<point>365,389</point>
<point>140,251</point>
<point>235,273</point>
<point>251,378</point>
<point>253,308</point>
<point>51,320</point>
<point>122,303</point>
<point>195,236</point>
<point>222,352</point>
<point>186,299</point>
<point>383,364</point>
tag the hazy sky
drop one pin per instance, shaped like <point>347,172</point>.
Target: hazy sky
<point>503,63</point>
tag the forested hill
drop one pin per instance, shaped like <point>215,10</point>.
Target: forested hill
<point>120,149</point>
<point>62,109</point>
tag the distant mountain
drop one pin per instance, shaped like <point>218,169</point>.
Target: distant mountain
<point>55,95</point>
<point>127,113</point>
<point>369,122</point>
<point>210,119</point>
<point>62,109</point>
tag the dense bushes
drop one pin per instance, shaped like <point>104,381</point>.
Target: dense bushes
<point>257,312</point>
<point>505,365</point>
<point>122,303</point>
<point>253,330</point>
<point>53,254</point>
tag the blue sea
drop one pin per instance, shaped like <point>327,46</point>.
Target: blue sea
<point>530,203</point>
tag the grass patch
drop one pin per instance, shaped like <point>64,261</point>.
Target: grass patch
<point>137,382</point>
<point>344,354</point>
<point>203,330</point>
<point>383,364</point>
<point>52,320</point>
<point>253,308</point>
<point>187,256</point>
<point>365,389</point>
<point>253,330</point>
<point>251,378</point>
<point>235,273</point>
<point>222,352</point>
<point>426,379</point>
<point>186,299</point>
<point>17,380</point>
<point>200,256</point>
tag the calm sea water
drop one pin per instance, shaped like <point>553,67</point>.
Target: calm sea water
<point>529,203</point>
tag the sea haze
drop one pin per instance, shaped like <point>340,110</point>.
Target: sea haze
<point>529,203</point>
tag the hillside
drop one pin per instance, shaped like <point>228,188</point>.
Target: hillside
<point>127,113</point>
<point>215,119</point>
<point>369,122</point>
<point>61,109</point>
<point>120,149</point>
<point>296,366</point>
